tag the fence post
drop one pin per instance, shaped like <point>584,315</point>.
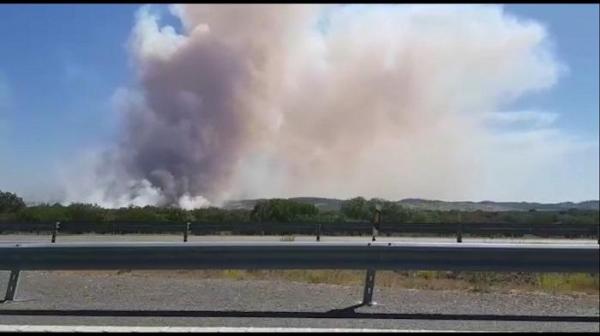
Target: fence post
<point>11,289</point>
<point>369,288</point>
<point>185,232</point>
<point>459,233</point>
<point>55,231</point>
<point>319,232</point>
<point>376,221</point>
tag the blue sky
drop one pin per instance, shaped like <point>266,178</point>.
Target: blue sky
<point>60,65</point>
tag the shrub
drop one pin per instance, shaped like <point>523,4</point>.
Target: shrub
<point>10,203</point>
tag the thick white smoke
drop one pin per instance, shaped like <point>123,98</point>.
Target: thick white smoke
<point>307,100</point>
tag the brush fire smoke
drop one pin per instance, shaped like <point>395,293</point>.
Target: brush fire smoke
<point>338,101</point>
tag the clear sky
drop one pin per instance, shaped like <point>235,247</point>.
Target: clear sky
<point>60,66</point>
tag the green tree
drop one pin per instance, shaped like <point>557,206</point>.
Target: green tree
<point>137,214</point>
<point>357,208</point>
<point>282,210</point>
<point>10,203</point>
<point>44,213</point>
<point>81,212</point>
<point>394,212</point>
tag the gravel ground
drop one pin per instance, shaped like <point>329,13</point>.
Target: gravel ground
<point>178,292</point>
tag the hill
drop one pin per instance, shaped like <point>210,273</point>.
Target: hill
<point>422,204</point>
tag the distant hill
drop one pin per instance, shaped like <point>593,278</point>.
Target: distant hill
<point>498,206</point>
<point>416,203</point>
<point>320,202</point>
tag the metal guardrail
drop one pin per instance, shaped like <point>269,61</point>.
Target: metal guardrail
<point>460,230</point>
<point>310,255</point>
<point>302,255</point>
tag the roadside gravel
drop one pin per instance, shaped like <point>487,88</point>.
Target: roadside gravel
<point>178,291</point>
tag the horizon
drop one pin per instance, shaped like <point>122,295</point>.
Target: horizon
<point>33,203</point>
<point>188,105</point>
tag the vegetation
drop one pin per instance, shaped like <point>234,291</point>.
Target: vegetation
<point>281,210</point>
<point>10,203</point>
<point>284,213</point>
<point>279,215</point>
<point>554,283</point>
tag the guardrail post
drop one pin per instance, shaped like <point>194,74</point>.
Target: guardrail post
<point>12,285</point>
<point>55,231</point>
<point>185,232</point>
<point>319,232</point>
<point>369,287</point>
<point>376,221</point>
<point>459,233</point>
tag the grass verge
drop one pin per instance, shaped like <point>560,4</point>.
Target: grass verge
<point>488,282</point>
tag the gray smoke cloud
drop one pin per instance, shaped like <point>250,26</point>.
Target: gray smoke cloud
<point>338,101</point>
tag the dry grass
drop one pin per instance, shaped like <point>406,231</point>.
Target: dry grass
<point>554,283</point>
<point>557,283</point>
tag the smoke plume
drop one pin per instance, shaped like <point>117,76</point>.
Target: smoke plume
<point>339,101</point>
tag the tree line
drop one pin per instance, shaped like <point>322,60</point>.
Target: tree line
<point>13,209</point>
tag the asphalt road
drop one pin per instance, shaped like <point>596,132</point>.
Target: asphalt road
<point>183,299</point>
